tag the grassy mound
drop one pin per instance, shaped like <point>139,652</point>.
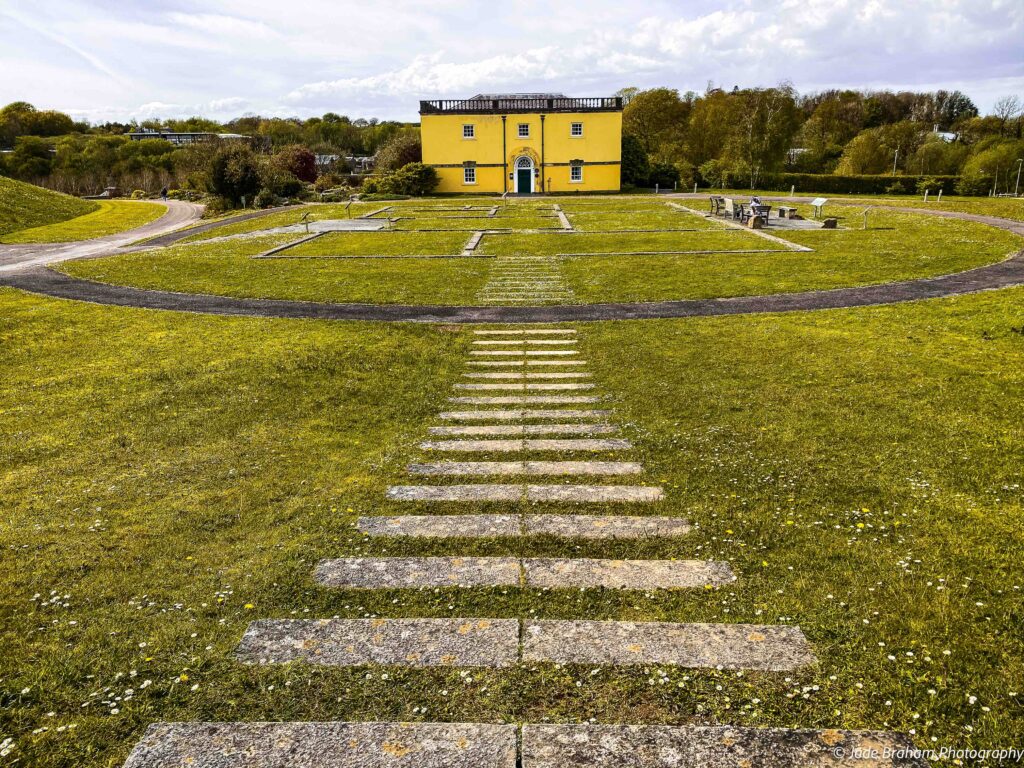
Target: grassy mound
<point>23,206</point>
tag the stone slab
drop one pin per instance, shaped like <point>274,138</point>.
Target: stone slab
<point>455,492</point>
<point>704,746</point>
<point>526,399</point>
<point>528,386</point>
<point>525,342</point>
<point>605,526</point>
<point>525,429</point>
<point>519,415</point>
<point>402,642</point>
<point>521,352</point>
<point>594,493</point>
<point>527,468</point>
<point>523,332</point>
<point>521,376</point>
<point>626,574</point>
<point>507,363</point>
<point>325,745</point>
<point>442,526</point>
<point>731,646</point>
<point>407,572</point>
<point>528,444</point>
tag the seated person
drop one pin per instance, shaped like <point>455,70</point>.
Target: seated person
<point>755,201</point>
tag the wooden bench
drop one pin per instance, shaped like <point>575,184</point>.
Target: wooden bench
<point>716,205</point>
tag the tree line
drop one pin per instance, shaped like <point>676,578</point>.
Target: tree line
<point>743,136</point>
<point>738,137</point>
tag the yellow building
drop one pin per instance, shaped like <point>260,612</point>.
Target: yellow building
<point>523,143</point>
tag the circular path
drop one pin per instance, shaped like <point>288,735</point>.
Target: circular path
<point>1004,274</point>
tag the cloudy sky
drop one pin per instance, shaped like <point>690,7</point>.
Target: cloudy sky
<point>120,59</point>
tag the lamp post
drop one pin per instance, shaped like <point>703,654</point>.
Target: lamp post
<point>896,154</point>
<point>1016,187</point>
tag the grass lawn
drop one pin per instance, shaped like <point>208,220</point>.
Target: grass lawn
<point>315,211</point>
<point>169,478</point>
<point>896,247</point>
<point>227,268</point>
<point>111,217</point>
<point>381,244</point>
<point>26,206</point>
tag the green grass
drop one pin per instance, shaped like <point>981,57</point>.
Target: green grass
<point>381,244</point>
<point>228,268</point>
<point>170,477</point>
<point>627,219</point>
<point>896,247</point>
<point>26,206</point>
<point>482,222</point>
<point>640,242</point>
<point>289,217</point>
<point>112,217</point>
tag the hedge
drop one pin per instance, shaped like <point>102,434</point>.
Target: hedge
<point>880,184</point>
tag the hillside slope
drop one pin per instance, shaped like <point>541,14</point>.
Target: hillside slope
<point>23,206</point>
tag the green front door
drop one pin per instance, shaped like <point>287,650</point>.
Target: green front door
<point>524,180</point>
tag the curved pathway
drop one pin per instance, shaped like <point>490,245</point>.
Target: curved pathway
<point>1004,274</point>
<point>14,258</point>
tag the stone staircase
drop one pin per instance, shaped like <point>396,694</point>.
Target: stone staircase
<point>525,391</point>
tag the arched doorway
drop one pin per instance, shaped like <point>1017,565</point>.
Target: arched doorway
<point>524,175</point>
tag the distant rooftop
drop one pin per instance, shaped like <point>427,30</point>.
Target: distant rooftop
<point>512,103</point>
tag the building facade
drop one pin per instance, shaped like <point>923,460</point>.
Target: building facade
<point>523,143</point>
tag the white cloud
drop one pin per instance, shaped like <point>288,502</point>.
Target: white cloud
<point>351,57</point>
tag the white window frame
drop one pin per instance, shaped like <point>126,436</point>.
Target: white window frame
<point>519,130</point>
<point>469,174</point>
<point>472,130</point>
<point>572,172</point>
<point>572,131</point>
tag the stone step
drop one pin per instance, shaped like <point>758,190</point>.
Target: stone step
<point>508,363</point>
<point>404,572</point>
<point>707,646</point>
<point>525,399</point>
<point>478,745</point>
<point>529,444</point>
<point>526,342</point>
<point>403,642</point>
<point>528,387</point>
<point>508,492</point>
<point>531,375</point>
<point>484,642</point>
<point>521,353</point>
<point>326,745</point>
<point>523,331</point>
<point>553,573</point>
<point>519,415</point>
<point>561,526</point>
<point>711,746</point>
<point>525,429</point>
<point>482,468</point>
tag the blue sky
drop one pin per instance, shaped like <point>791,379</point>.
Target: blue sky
<point>376,58</point>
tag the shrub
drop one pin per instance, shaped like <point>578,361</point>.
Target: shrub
<point>138,194</point>
<point>635,167</point>
<point>928,184</point>
<point>298,161</point>
<point>414,179</point>
<point>234,172</point>
<point>400,151</point>
<point>264,199</point>
<point>663,175</point>
<point>973,184</point>
<point>279,181</point>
